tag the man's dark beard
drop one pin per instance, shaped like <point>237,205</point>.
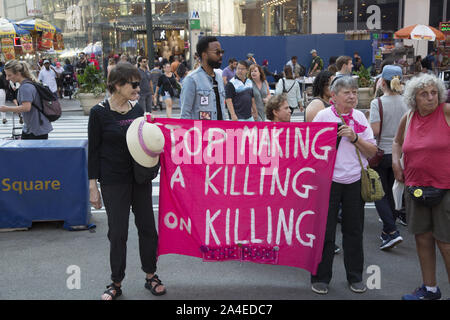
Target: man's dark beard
<point>214,64</point>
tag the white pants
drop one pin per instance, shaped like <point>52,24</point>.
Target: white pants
<point>3,101</point>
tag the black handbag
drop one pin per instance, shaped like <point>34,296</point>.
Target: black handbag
<point>144,175</point>
<point>427,196</point>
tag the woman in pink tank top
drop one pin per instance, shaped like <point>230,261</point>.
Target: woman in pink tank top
<point>423,137</point>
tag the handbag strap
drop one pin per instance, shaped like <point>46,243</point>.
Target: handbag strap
<point>380,109</point>
<point>356,148</point>
<point>408,121</point>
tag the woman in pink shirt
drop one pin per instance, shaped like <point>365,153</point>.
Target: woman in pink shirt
<point>426,152</point>
<point>355,133</point>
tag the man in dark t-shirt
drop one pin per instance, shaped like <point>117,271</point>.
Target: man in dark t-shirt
<point>239,95</point>
<point>145,86</point>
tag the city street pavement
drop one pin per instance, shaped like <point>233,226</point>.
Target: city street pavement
<point>38,263</point>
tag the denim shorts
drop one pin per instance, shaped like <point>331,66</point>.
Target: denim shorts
<point>166,96</point>
<point>422,219</point>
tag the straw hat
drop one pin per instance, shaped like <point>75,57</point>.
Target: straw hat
<point>145,142</point>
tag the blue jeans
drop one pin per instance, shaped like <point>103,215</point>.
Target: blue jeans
<point>386,206</point>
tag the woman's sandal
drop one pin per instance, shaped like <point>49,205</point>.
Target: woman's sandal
<point>148,285</point>
<point>113,291</point>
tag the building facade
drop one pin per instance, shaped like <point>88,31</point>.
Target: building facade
<point>120,24</point>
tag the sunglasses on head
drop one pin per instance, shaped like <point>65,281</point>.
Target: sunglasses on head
<point>337,78</point>
<point>134,84</point>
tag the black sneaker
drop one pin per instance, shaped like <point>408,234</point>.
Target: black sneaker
<point>320,287</point>
<point>388,241</point>
<point>402,220</point>
<point>401,217</point>
<point>358,287</point>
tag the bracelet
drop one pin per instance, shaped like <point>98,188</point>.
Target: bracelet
<point>354,141</point>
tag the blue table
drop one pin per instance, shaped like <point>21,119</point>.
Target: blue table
<point>44,180</point>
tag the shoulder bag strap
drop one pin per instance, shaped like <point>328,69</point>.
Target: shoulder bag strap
<point>41,110</point>
<point>357,151</point>
<point>408,121</point>
<point>380,110</point>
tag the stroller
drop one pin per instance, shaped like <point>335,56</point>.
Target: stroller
<point>68,84</point>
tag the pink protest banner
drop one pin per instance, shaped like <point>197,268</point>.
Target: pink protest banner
<point>249,191</point>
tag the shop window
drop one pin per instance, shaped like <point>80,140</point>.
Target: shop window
<point>346,13</point>
<point>370,15</point>
<point>288,17</point>
<point>378,15</point>
<point>437,12</point>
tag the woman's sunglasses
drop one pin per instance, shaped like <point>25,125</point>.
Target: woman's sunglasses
<point>134,84</point>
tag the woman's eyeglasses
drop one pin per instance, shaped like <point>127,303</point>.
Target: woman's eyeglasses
<point>134,84</point>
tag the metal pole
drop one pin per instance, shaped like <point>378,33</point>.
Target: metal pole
<point>191,49</point>
<point>149,26</point>
<point>444,17</point>
<point>355,16</point>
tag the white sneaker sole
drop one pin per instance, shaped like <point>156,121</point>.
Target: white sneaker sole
<point>319,291</point>
<point>357,290</point>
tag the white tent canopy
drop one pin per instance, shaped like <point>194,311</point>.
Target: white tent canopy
<point>95,48</point>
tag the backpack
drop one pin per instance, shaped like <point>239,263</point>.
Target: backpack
<point>51,108</point>
<point>319,61</point>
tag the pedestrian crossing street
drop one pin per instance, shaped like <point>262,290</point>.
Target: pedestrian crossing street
<point>75,127</point>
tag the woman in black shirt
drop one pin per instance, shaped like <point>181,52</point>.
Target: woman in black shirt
<point>111,164</point>
<point>168,84</point>
<point>3,89</point>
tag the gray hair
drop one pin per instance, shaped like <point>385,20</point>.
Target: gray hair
<point>420,82</point>
<point>342,82</point>
<point>274,104</point>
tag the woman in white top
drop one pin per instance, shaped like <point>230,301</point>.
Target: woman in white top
<point>393,108</point>
<point>291,87</point>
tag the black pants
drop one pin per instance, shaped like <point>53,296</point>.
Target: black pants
<point>117,200</point>
<point>352,233</point>
<point>30,136</point>
<point>386,206</point>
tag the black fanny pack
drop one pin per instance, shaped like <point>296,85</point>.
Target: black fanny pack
<point>427,196</point>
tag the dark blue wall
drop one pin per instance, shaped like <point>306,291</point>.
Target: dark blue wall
<point>279,49</point>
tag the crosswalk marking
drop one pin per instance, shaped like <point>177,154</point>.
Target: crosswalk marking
<point>75,127</point>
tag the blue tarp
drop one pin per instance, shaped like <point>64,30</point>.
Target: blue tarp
<point>44,180</point>
<point>278,50</point>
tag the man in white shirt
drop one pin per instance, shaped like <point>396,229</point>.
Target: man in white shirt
<point>48,76</point>
<point>296,68</point>
<point>344,64</point>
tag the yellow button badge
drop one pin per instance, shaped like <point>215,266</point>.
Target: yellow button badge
<point>418,193</point>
